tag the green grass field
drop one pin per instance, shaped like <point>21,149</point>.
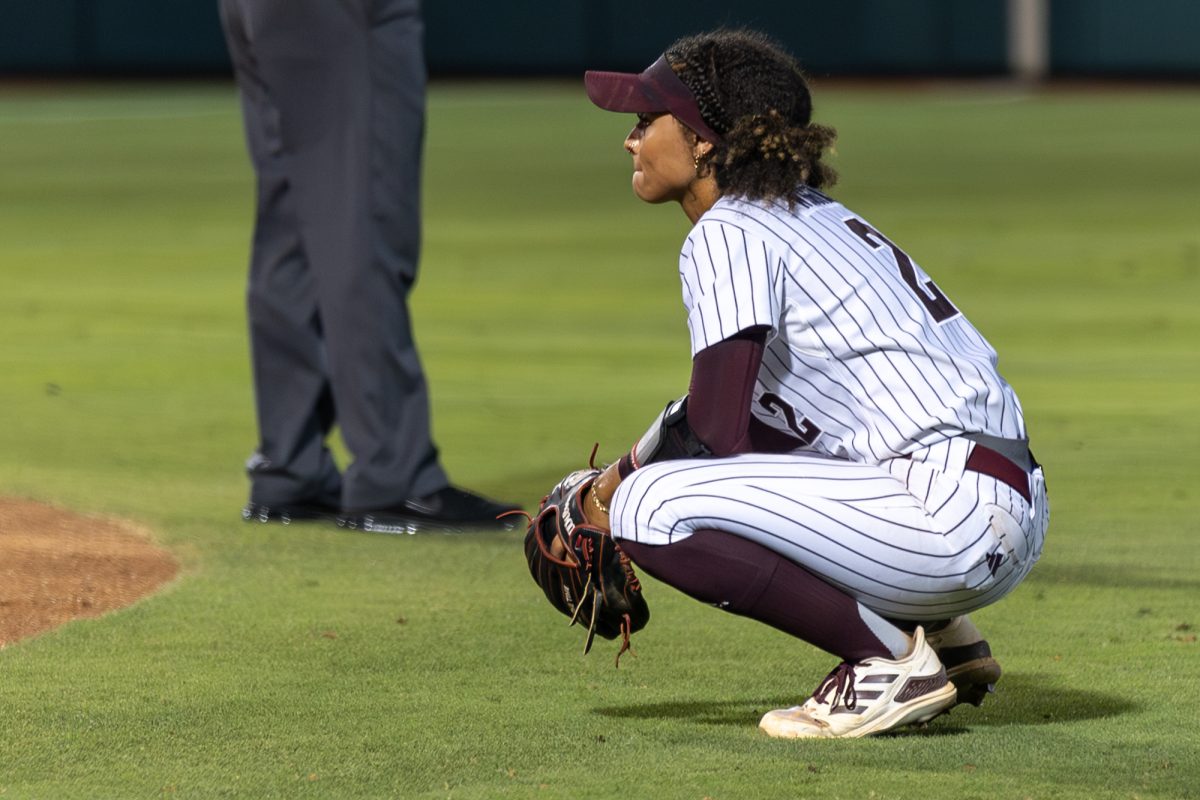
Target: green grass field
<point>307,662</point>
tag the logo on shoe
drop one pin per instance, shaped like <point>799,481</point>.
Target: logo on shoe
<point>371,526</point>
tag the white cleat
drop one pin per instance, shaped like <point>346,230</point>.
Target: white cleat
<point>869,696</point>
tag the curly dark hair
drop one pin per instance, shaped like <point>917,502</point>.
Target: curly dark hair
<point>754,94</point>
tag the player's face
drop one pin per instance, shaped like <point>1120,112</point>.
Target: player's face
<point>664,165</point>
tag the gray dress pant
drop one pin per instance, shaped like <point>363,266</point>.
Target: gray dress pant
<point>333,99</point>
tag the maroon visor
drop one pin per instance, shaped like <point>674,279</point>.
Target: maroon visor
<point>657,89</point>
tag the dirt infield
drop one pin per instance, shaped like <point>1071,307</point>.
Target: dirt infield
<point>56,566</point>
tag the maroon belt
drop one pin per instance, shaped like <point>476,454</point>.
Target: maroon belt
<point>986,461</point>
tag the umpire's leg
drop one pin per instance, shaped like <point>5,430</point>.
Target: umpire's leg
<point>292,395</point>
<point>348,80</point>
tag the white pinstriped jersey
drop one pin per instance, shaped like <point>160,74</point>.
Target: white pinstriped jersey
<point>867,359</point>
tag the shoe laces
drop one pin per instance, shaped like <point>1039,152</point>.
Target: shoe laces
<point>841,683</point>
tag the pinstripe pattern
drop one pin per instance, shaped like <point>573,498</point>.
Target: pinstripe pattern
<point>855,350</point>
<point>865,348</point>
<point>911,538</point>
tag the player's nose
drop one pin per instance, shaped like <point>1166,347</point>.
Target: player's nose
<point>633,141</point>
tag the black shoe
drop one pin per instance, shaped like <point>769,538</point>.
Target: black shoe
<point>972,670</point>
<point>287,514</point>
<point>449,510</point>
<point>967,658</point>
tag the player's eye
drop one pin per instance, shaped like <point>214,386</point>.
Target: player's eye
<point>644,119</point>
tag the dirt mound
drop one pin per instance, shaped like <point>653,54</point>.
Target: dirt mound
<point>56,566</point>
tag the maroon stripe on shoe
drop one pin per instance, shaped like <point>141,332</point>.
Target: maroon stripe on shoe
<point>879,679</point>
<point>919,686</point>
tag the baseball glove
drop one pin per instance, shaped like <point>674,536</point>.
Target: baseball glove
<point>579,566</point>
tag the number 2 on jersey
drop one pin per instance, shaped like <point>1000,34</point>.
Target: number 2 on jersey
<point>936,303</point>
<point>802,428</point>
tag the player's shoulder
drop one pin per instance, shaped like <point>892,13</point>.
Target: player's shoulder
<point>785,225</point>
<point>737,216</point>
<point>777,215</point>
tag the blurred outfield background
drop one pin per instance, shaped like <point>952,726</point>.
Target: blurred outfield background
<point>1032,38</point>
<point>305,662</point>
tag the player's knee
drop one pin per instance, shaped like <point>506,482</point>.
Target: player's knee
<point>648,508</point>
<point>710,566</point>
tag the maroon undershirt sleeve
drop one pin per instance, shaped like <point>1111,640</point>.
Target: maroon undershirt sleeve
<point>719,398</point>
<point>722,388</point>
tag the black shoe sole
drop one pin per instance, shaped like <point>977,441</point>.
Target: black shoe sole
<point>399,525</point>
<point>284,515</point>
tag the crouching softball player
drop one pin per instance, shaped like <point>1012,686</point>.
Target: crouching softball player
<point>848,466</point>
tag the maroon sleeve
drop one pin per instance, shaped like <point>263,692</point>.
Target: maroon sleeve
<point>719,398</point>
<point>722,388</point>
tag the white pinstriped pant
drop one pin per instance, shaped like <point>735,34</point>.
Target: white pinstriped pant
<point>917,539</point>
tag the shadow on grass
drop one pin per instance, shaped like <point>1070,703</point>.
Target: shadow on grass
<point>1020,699</point>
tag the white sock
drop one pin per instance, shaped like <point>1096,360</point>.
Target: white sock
<point>894,639</point>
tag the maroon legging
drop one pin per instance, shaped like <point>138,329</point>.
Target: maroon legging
<point>745,578</point>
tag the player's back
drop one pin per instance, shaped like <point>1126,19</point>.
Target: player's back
<point>870,350</point>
